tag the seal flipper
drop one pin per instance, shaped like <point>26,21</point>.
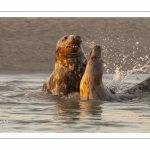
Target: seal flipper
<point>48,85</point>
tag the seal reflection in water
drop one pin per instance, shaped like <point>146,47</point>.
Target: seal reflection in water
<point>69,67</point>
<point>91,86</point>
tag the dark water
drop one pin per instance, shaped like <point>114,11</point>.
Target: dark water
<point>25,108</point>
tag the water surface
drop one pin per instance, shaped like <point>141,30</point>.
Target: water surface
<point>25,108</point>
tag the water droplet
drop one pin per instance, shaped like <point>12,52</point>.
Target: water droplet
<point>137,43</point>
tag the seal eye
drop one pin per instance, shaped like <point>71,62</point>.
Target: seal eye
<point>65,37</point>
<point>98,47</point>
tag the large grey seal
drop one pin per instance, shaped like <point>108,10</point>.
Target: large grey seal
<point>92,87</point>
<point>70,63</point>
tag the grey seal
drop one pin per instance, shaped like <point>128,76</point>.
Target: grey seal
<point>92,87</point>
<point>70,63</point>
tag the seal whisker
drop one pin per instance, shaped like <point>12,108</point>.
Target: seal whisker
<point>63,30</point>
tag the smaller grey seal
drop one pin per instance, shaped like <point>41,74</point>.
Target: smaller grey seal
<point>92,87</point>
<point>70,63</point>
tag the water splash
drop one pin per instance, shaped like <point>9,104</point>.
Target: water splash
<point>90,44</point>
<point>117,81</point>
<point>122,64</point>
<point>122,52</point>
<point>119,77</point>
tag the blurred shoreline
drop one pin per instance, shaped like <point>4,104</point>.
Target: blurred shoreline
<point>28,44</point>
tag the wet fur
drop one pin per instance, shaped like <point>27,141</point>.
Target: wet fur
<point>69,67</point>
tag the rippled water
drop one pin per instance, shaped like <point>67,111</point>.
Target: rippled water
<point>25,108</point>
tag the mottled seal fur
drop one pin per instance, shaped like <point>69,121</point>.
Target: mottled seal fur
<point>70,63</point>
<point>92,87</point>
<point>140,88</point>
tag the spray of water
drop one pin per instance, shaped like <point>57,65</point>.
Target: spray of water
<point>121,65</point>
<point>119,77</point>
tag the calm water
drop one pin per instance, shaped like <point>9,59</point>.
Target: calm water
<point>25,108</point>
